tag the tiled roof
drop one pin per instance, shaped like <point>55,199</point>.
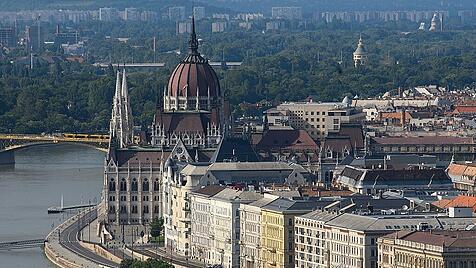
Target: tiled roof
<point>456,169</point>
<point>441,203</point>
<point>395,115</point>
<point>447,238</point>
<point>465,110</point>
<point>460,201</point>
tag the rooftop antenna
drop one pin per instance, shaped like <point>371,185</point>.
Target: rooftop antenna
<point>431,180</point>
<point>39,30</point>
<point>154,48</point>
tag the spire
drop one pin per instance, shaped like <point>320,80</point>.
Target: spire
<point>125,92</point>
<point>118,85</point>
<point>121,119</point>
<point>193,42</point>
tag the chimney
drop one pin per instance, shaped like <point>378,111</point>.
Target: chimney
<point>403,118</point>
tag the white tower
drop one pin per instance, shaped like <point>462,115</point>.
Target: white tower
<point>121,120</point>
<point>434,26</point>
<point>422,27</point>
<point>360,54</point>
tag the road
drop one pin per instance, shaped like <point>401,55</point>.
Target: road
<point>161,254</point>
<point>69,240</point>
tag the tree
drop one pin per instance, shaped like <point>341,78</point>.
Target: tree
<point>156,227</point>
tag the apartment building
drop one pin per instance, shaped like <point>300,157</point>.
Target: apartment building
<point>250,231</point>
<point>436,249</point>
<point>318,119</point>
<point>215,224</point>
<point>277,231</point>
<point>327,239</point>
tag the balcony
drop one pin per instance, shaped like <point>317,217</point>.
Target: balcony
<point>183,219</point>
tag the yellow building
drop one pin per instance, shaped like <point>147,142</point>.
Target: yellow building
<point>277,226</point>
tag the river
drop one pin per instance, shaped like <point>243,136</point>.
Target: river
<point>37,181</point>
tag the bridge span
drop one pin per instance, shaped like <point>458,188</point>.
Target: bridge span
<point>22,244</point>
<point>9,143</point>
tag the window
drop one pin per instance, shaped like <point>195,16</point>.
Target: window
<point>134,186</point>
<point>123,186</point>
<point>146,209</point>
<point>123,209</point>
<point>112,185</point>
<point>134,209</point>
<point>145,185</point>
<point>156,185</point>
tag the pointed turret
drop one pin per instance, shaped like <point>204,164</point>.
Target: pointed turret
<point>193,41</point>
<point>121,118</point>
<point>127,107</point>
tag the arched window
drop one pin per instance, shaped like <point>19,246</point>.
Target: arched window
<point>112,185</point>
<point>156,184</point>
<point>134,186</point>
<point>145,185</point>
<point>123,185</point>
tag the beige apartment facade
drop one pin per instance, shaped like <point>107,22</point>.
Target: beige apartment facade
<point>435,249</point>
<point>328,239</point>
<point>318,119</point>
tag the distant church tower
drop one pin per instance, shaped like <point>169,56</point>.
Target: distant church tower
<point>121,120</point>
<point>360,54</point>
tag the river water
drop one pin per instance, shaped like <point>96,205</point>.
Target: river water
<point>37,181</point>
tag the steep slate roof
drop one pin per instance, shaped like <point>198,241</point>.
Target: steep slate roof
<point>134,157</point>
<point>354,132</point>
<point>287,139</point>
<point>234,148</point>
<point>338,143</point>
<point>183,121</point>
<point>209,190</point>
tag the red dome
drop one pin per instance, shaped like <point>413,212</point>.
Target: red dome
<point>191,75</point>
<point>194,74</point>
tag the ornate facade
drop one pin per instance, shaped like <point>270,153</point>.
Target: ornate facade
<point>143,182</point>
